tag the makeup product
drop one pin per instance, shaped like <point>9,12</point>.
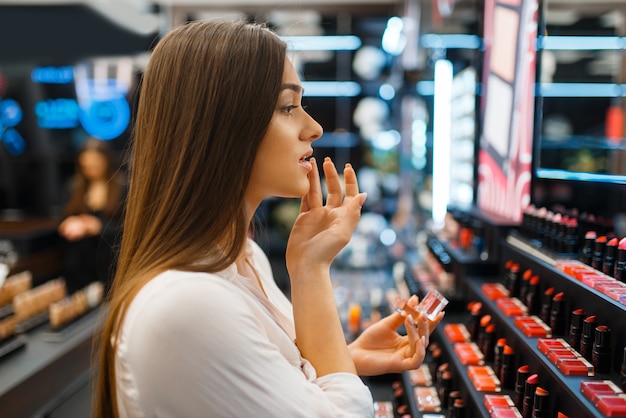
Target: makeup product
<point>579,366</point>
<point>524,284</point>
<point>588,244</point>
<point>14,285</point>
<point>540,404</point>
<point>601,352</point>
<point>420,376</point>
<point>587,337</point>
<point>608,266</point>
<point>431,304</point>
<point>507,370</point>
<point>473,322</point>
<point>552,231</point>
<point>489,341</point>
<point>570,240</point>
<point>444,387</point>
<point>557,322</point>
<point>576,328</point>
<point>622,375</point>
<point>512,280</point>
<point>520,381</point>
<point>484,322</point>
<point>597,257</point>
<point>612,405</point>
<point>546,304</point>
<point>593,389</point>
<point>498,350</point>
<point>532,298</point>
<point>529,395</point>
<point>458,408</point>
<point>435,361</point>
<point>427,399</point>
<point>452,396</point>
<point>619,271</point>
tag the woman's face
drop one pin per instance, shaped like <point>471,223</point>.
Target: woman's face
<point>281,167</point>
<point>93,165</point>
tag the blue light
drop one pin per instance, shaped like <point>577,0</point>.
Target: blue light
<point>425,88</point>
<point>580,42</point>
<point>580,90</point>
<point>580,176</point>
<point>322,43</point>
<point>10,113</point>
<point>450,41</point>
<point>57,113</point>
<point>386,91</point>
<point>53,75</point>
<point>14,142</point>
<point>106,119</point>
<point>331,88</point>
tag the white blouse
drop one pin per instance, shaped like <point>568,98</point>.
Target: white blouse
<point>211,345</point>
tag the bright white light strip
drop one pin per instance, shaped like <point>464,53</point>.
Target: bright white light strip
<point>331,88</point>
<point>580,42</point>
<point>451,41</point>
<point>441,141</point>
<point>322,43</point>
<point>581,90</point>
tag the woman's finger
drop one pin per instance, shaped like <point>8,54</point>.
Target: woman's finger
<point>335,192</point>
<point>352,186</point>
<point>313,199</point>
<point>411,332</point>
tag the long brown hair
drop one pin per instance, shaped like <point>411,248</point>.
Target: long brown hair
<point>207,96</point>
<point>76,203</point>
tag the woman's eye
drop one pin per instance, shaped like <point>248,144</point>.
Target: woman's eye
<point>288,109</point>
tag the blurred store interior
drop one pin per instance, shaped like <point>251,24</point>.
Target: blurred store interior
<point>399,87</point>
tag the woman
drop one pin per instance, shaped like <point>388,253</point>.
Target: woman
<point>197,327</point>
<point>92,219</point>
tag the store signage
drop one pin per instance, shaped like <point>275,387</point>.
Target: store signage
<point>10,117</point>
<point>53,75</point>
<point>57,113</point>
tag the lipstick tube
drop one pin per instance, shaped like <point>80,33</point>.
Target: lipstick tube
<point>619,270</point>
<point>532,299</point>
<point>608,267</point>
<point>498,350</point>
<point>523,289</point>
<point>520,381</point>
<point>587,337</point>
<point>546,305</point>
<point>587,250</point>
<point>529,395</point>
<point>507,370</point>
<point>570,241</point>
<point>556,314</point>
<point>597,257</point>
<point>540,403</point>
<point>601,353</point>
<point>512,279</point>
<point>576,328</point>
<point>488,343</point>
<point>473,322</point>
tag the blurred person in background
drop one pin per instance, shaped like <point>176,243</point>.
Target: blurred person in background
<point>92,217</point>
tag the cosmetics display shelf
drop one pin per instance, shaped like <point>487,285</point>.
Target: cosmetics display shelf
<point>565,394</point>
<point>577,295</point>
<point>474,400</point>
<point>40,377</point>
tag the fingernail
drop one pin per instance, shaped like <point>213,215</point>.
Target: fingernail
<point>348,165</point>
<point>326,158</point>
<point>411,321</point>
<point>363,196</point>
<point>424,342</point>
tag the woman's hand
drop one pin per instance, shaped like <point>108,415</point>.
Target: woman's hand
<point>74,228</point>
<point>322,230</point>
<point>380,349</point>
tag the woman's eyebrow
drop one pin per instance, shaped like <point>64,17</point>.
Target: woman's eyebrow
<point>292,86</point>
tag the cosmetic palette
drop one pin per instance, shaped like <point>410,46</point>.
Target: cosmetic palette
<point>457,333</point>
<point>497,401</point>
<point>420,376</point>
<point>569,361</point>
<point>494,291</point>
<point>612,405</point>
<point>383,410</point>
<point>427,399</point>
<point>469,353</point>
<point>533,326</point>
<point>593,389</point>
<point>511,412</point>
<point>484,379</point>
<point>512,307</point>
